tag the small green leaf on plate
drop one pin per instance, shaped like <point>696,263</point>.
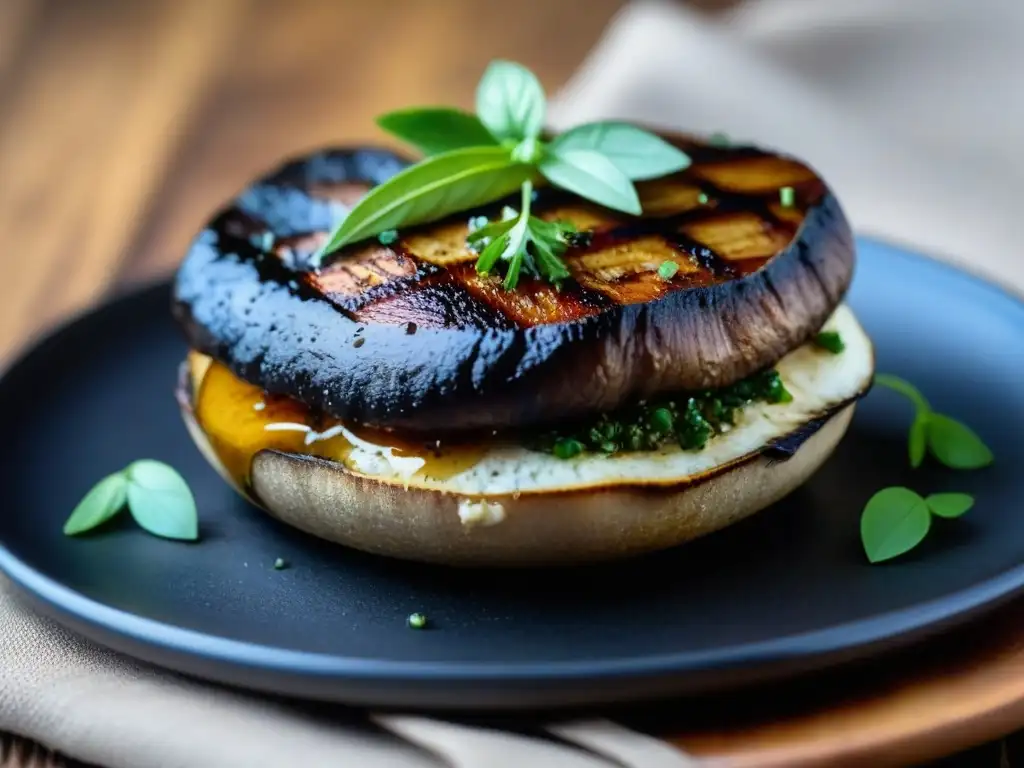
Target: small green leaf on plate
<point>918,441</point>
<point>592,176</point>
<point>956,445</point>
<point>905,388</point>
<point>894,521</point>
<point>637,153</point>
<point>161,501</point>
<point>433,130</point>
<point>101,503</point>
<point>949,504</point>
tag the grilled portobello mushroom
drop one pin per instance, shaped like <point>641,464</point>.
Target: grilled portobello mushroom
<point>407,336</point>
<point>496,502</point>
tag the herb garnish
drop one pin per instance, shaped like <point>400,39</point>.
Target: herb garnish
<point>787,197</point>
<point>897,519</point>
<point>280,564</point>
<point>687,420</point>
<point>830,341</point>
<point>507,240</point>
<point>667,270</point>
<point>416,620</point>
<point>474,160</point>
<point>158,498</point>
<point>949,441</point>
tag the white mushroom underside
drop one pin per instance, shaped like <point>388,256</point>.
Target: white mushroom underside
<point>817,379</point>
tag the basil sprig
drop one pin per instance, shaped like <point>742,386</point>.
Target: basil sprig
<point>472,160</point>
<point>897,519</point>
<point>158,498</point>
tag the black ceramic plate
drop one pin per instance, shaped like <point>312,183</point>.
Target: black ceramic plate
<point>787,590</point>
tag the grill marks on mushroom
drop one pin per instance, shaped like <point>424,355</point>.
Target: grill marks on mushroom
<point>755,280</point>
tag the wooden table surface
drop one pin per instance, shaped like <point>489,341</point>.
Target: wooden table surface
<point>124,122</point>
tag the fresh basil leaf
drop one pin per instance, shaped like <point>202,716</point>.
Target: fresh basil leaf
<point>430,190</point>
<point>949,505</point>
<point>510,101</point>
<point>639,154</point>
<point>918,441</point>
<point>593,176</point>
<point>161,501</point>
<point>433,130</point>
<point>894,521</point>
<point>101,503</point>
<point>956,445</point>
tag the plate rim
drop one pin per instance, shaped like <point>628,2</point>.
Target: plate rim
<point>153,640</point>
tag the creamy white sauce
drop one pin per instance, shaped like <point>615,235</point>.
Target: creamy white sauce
<point>480,512</point>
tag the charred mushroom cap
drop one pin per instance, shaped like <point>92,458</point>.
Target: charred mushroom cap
<point>408,336</point>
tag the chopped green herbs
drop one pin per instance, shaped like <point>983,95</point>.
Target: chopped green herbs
<point>280,564</point>
<point>830,341</point>
<point>567,447</point>
<point>688,421</point>
<point>702,198</point>
<point>667,270</point>
<point>787,197</point>
<point>474,160</point>
<point>157,497</point>
<point>416,620</point>
<point>388,236</point>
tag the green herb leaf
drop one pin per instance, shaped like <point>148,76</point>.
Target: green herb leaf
<point>634,151</point>
<point>567,448</point>
<point>830,341</point>
<point>905,388</point>
<point>949,505</point>
<point>101,503</point>
<point>956,445</point>
<point>667,270</point>
<point>510,101</point>
<point>433,130</point>
<point>161,501</point>
<point>431,189</point>
<point>593,176</point>
<point>918,441</point>
<point>894,521</point>
<point>787,197</point>
<point>416,620</point>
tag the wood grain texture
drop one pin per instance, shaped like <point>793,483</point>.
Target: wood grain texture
<point>123,123</point>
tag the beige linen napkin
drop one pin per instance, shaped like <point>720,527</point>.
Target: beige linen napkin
<point>908,107</point>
